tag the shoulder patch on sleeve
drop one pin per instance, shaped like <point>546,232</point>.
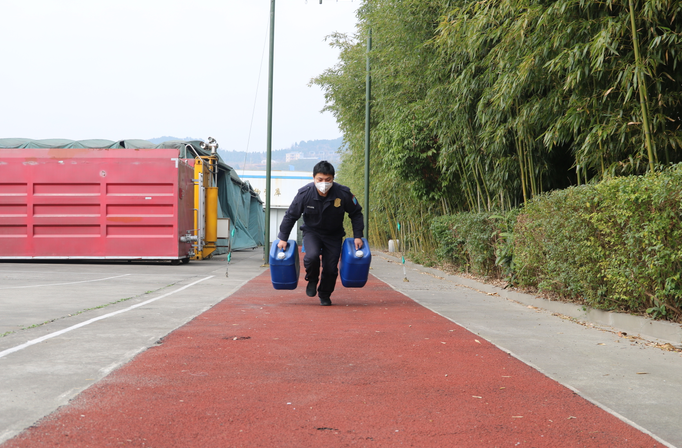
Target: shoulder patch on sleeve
<point>355,201</point>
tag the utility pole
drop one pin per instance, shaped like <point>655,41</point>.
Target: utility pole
<point>268,166</point>
<point>368,96</point>
<point>268,163</point>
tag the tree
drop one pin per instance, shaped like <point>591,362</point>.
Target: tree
<point>483,105</point>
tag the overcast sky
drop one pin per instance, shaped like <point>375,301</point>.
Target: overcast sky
<point>123,69</point>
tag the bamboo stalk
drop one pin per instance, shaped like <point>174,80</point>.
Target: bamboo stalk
<point>601,152</point>
<point>643,97</point>
<point>470,194</point>
<point>577,173</point>
<point>531,169</point>
<point>485,187</point>
<point>519,150</point>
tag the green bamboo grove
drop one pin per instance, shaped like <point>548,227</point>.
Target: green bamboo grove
<point>482,105</point>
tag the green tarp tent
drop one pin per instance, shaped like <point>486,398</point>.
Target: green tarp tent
<point>236,198</point>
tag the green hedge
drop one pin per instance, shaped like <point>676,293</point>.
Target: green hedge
<point>615,245</point>
<point>473,242</point>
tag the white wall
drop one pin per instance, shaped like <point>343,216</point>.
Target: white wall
<point>276,217</point>
<point>284,186</point>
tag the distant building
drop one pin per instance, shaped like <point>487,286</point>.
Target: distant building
<point>291,156</point>
<point>284,186</point>
<point>324,155</point>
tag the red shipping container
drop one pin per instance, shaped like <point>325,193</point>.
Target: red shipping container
<point>85,203</point>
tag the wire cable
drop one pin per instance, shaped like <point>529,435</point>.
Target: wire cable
<point>255,100</point>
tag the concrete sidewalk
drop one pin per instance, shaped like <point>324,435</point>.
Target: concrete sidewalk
<point>626,376</point>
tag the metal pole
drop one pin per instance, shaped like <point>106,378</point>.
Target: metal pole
<point>368,95</point>
<point>266,245</point>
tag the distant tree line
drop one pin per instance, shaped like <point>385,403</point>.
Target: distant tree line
<point>254,160</point>
<point>240,159</point>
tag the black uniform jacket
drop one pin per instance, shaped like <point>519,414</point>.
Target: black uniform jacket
<point>323,215</point>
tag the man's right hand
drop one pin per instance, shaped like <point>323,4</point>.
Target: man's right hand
<point>282,244</point>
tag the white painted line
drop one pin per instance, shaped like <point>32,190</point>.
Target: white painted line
<point>69,283</point>
<point>88,322</point>
<point>3,271</point>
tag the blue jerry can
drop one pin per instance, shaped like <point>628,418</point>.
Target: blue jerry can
<point>284,265</point>
<point>355,264</point>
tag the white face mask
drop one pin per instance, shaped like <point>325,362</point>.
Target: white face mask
<point>323,187</point>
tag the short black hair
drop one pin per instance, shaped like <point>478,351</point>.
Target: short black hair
<point>323,167</point>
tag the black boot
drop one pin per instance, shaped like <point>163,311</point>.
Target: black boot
<point>311,289</point>
<point>325,300</point>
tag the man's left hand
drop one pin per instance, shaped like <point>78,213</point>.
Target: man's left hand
<point>358,243</point>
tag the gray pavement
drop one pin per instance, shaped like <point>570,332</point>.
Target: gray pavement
<point>67,325</point>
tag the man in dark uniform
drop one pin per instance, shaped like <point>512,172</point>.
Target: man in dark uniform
<point>322,204</point>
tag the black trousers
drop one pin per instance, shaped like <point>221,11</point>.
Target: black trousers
<point>329,248</point>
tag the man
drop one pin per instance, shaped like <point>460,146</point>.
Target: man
<point>322,204</point>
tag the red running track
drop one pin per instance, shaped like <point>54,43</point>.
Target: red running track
<point>268,368</point>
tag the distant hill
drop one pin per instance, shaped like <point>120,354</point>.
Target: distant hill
<point>317,145</point>
<point>158,140</point>
<point>310,152</point>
